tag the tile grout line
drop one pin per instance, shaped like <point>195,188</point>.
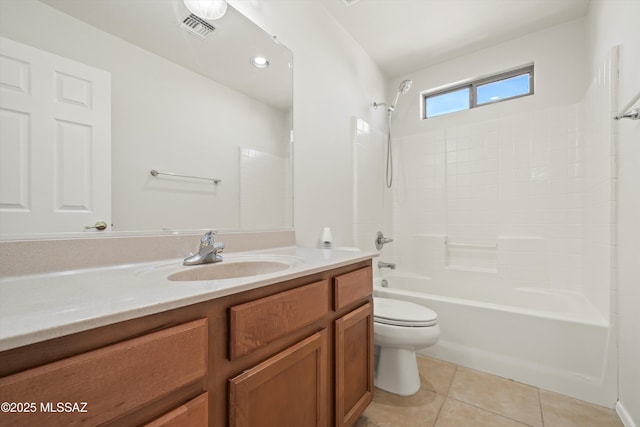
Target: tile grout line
<point>485,409</point>
<point>492,412</point>
<point>455,371</point>
<point>540,405</point>
<point>446,396</point>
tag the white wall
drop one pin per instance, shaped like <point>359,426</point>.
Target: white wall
<point>334,80</point>
<point>616,23</point>
<point>168,118</point>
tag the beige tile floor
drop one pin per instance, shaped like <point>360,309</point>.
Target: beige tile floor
<point>455,396</point>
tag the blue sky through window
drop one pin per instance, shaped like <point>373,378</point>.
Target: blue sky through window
<point>503,89</point>
<point>482,91</point>
<point>448,102</point>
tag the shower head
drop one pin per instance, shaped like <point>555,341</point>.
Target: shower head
<point>405,86</point>
<point>402,89</point>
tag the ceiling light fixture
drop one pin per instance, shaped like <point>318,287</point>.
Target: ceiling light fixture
<point>260,62</point>
<point>207,9</point>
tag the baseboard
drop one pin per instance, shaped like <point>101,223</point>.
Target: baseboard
<point>624,415</point>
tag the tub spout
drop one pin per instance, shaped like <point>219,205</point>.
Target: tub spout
<point>386,265</point>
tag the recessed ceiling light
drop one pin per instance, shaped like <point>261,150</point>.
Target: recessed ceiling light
<point>207,9</point>
<point>260,61</point>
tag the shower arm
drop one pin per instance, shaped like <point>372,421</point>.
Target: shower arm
<point>404,87</point>
<point>390,108</point>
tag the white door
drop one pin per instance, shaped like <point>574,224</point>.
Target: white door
<point>55,142</point>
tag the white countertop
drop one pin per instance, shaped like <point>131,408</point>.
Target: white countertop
<point>39,307</point>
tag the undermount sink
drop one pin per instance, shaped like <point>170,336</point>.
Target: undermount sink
<point>228,270</point>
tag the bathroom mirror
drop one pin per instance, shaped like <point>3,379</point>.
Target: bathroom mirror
<point>141,86</point>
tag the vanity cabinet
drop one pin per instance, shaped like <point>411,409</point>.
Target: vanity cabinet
<point>295,353</point>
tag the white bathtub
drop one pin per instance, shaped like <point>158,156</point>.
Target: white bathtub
<point>551,339</point>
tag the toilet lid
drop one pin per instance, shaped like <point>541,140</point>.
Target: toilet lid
<point>402,313</point>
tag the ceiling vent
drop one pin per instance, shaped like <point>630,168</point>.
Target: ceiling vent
<point>198,26</point>
<point>350,2</point>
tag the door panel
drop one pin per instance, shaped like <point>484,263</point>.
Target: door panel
<point>55,142</point>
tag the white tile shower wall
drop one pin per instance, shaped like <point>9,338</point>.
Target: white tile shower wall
<point>472,183</point>
<point>513,179</point>
<point>541,185</point>
<point>372,210</point>
<point>600,184</point>
<point>540,189</point>
<point>419,203</point>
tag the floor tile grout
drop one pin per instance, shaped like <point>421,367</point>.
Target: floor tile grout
<point>490,411</point>
<point>540,404</point>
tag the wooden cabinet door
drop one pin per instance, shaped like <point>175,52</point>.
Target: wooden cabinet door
<point>194,413</point>
<point>354,364</point>
<point>286,390</point>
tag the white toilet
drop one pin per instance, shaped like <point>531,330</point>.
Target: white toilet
<point>400,328</point>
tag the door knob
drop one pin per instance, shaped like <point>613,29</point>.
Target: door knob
<point>100,225</point>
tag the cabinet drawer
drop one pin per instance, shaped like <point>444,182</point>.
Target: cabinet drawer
<point>112,380</point>
<point>194,413</point>
<point>257,323</point>
<point>351,287</point>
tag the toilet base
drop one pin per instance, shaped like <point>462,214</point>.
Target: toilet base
<point>397,371</point>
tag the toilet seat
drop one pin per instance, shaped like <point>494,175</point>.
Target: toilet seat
<point>402,313</point>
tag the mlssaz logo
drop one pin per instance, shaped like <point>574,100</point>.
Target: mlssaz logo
<point>66,407</point>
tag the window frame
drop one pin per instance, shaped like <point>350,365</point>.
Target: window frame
<point>473,88</point>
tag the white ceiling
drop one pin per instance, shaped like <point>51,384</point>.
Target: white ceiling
<point>403,36</point>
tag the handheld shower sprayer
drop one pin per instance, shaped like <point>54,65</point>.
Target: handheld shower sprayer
<point>404,87</point>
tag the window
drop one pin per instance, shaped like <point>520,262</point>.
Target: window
<point>489,90</point>
<point>448,102</point>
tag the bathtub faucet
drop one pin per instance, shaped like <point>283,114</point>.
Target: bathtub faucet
<point>381,240</point>
<point>386,265</point>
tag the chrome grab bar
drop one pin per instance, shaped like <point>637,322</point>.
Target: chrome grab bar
<point>469,245</point>
<point>156,173</point>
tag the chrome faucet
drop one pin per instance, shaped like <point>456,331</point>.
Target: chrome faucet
<point>381,240</point>
<point>386,265</point>
<point>209,251</point>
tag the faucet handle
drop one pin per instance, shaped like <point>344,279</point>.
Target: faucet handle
<point>381,240</point>
<point>207,238</point>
